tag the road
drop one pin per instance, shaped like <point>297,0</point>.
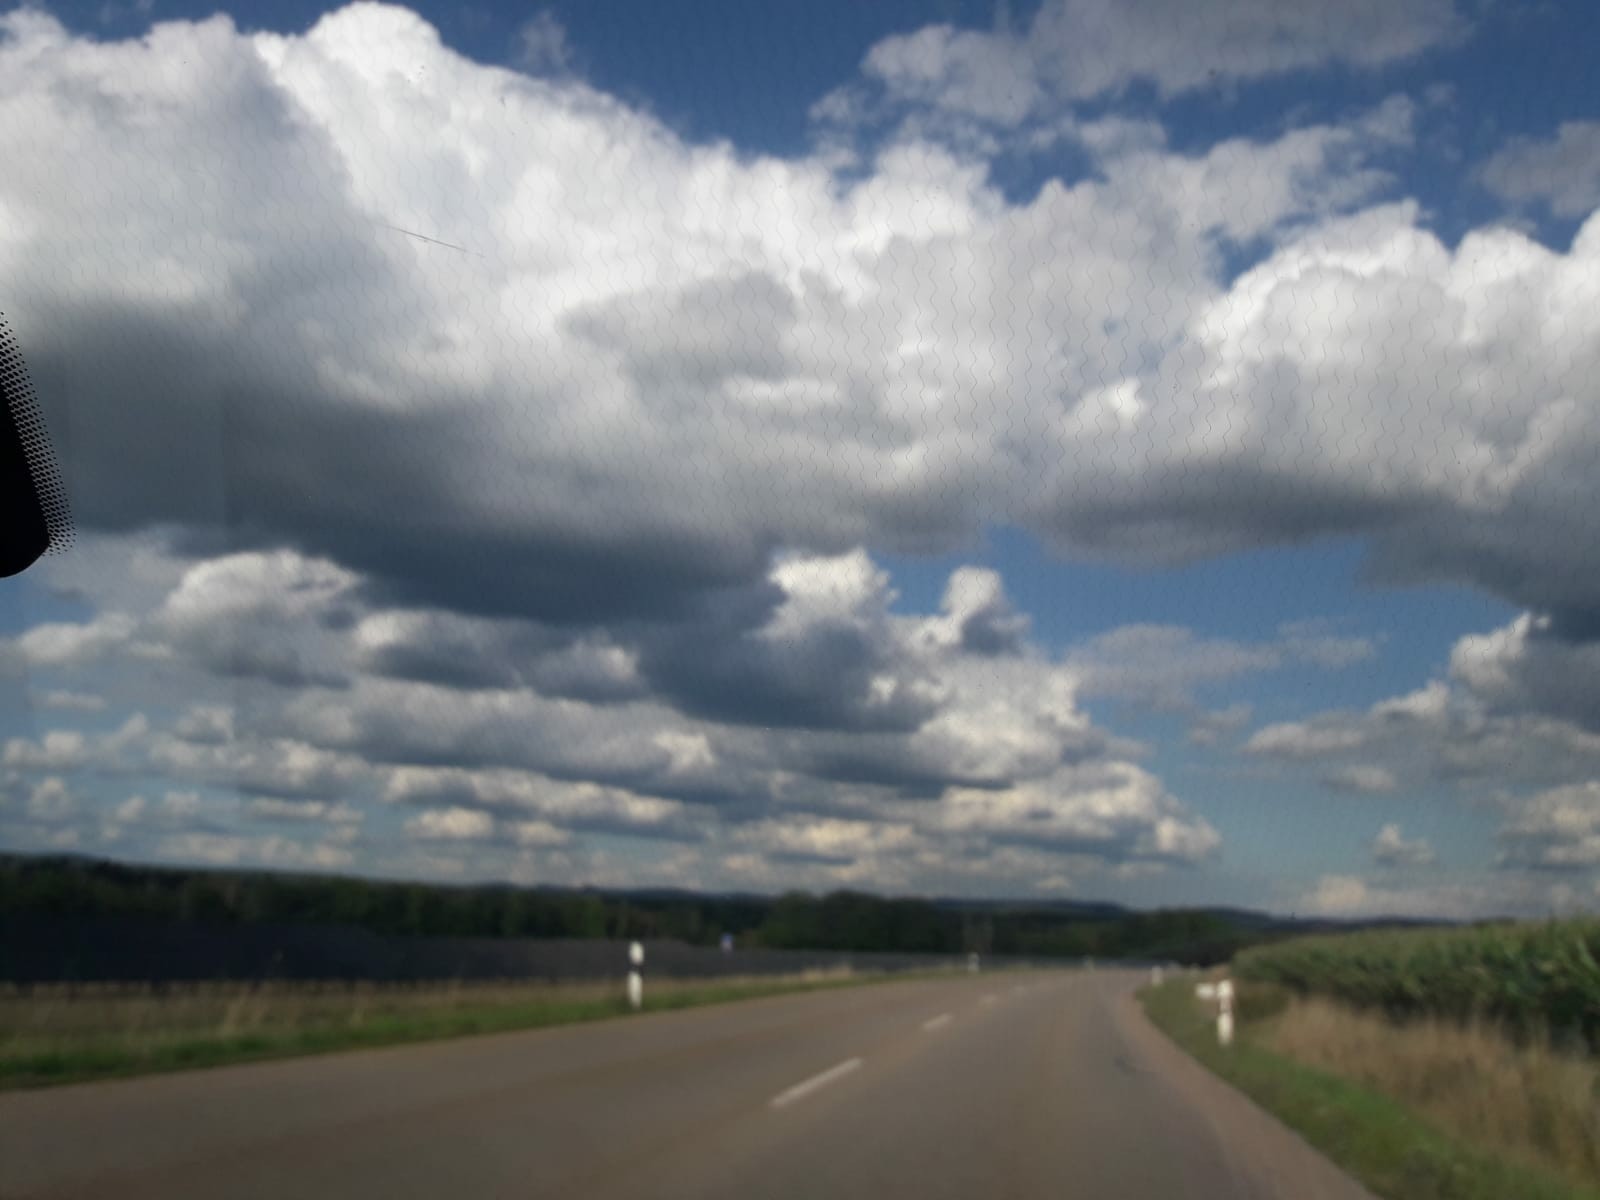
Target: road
<point>1005,1085</point>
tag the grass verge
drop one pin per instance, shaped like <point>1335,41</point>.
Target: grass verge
<point>1385,1144</point>
<point>59,1034</point>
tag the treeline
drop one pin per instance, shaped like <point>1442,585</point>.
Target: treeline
<point>849,921</point>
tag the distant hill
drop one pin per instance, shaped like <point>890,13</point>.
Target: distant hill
<point>34,888</point>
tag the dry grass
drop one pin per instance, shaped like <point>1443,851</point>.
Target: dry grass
<point>56,1032</point>
<point>1529,1102</point>
<point>59,1013</point>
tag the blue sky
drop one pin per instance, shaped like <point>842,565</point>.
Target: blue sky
<point>1055,449</point>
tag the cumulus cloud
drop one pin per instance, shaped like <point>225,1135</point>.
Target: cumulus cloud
<point>1516,713</point>
<point>51,800</point>
<point>55,750</point>
<point>63,644</point>
<point>1391,848</point>
<point>817,364</point>
<point>281,767</point>
<point>1116,807</point>
<point>1556,830</point>
<point>581,488</point>
<point>1526,667</point>
<point>451,824</point>
<point>987,756</point>
<point>255,614</point>
<point>71,749</point>
<point>1562,171</point>
<point>525,797</point>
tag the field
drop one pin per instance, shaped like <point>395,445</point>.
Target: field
<point>1387,1102</point>
<point>1530,1102</point>
<point>1533,980</point>
<point>1451,1062</point>
<point>57,1033</point>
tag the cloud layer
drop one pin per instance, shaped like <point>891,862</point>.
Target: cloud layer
<point>469,461</point>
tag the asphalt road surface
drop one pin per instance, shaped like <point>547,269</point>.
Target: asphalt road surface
<point>1005,1085</point>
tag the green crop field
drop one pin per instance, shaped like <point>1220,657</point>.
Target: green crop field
<point>1531,978</point>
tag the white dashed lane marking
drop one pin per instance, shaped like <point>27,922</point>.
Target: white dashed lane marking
<point>806,1086</point>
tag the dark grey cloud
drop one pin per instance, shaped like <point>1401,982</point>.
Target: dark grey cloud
<point>1531,666</point>
<point>820,678</point>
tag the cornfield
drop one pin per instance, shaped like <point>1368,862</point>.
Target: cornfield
<point>1534,979</point>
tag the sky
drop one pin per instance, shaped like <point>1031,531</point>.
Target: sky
<point>1084,449</point>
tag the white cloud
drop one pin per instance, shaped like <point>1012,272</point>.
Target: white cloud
<point>1563,171</point>
<point>71,701</point>
<point>256,614</point>
<point>224,849</point>
<point>1429,704</point>
<point>538,833</point>
<point>1209,728</point>
<point>451,824</point>
<point>181,805</point>
<point>895,360</point>
<point>1518,712</point>
<point>829,840</point>
<point>1391,848</point>
<point>206,724</point>
<point>542,47</point>
<point>532,797</point>
<point>1075,50</point>
<point>282,767</point>
<point>51,800</point>
<point>1366,778</point>
<point>1316,643</point>
<point>1524,667</point>
<point>594,504</point>
<point>1119,810</point>
<point>1350,896</point>
<point>1298,739</point>
<point>1161,666</point>
<point>1337,895</point>
<point>274,808</point>
<point>58,749</point>
<point>1557,829</point>
<point>63,644</point>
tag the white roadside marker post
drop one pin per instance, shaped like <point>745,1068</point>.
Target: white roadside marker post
<point>1155,976</point>
<point>635,980</point>
<point>1225,1012</point>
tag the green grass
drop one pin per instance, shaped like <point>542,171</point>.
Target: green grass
<point>61,1034</point>
<point>1385,1145</point>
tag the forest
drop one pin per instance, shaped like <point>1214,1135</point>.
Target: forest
<point>842,920</point>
